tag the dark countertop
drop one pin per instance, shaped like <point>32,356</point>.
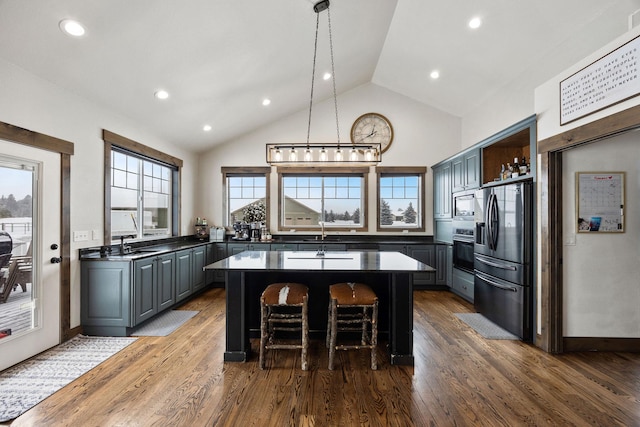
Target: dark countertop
<point>310,261</point>
<point>143,249</point>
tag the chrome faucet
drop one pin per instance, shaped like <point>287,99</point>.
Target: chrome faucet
<point>125,249</point>
<point>321,248</point>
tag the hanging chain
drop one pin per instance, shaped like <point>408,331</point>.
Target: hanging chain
<point>333,76</point>
<point>313,76</point>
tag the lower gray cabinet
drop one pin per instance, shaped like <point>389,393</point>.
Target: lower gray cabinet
<point>215,252</point>
<point>166,265</point>
<point>462,284</point>
<point>106,296</point>
<point>153,286</point>
<point>425,254</point>
<point>441,265</point>
<point>145,292</point>
<point>184,272</point>
<point>198,260</point>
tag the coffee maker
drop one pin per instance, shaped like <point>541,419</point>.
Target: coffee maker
<point>241,231</point>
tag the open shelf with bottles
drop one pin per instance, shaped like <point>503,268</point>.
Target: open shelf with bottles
<point>520,144</point>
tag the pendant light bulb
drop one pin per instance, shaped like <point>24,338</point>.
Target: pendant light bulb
<point>323,155</point>
<point>308,155</point>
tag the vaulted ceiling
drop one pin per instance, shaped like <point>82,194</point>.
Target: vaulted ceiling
<point>219,59</point>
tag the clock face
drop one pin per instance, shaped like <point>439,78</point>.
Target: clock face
<point>372,128</point>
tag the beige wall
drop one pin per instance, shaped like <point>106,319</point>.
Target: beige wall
<point>423,137</point>
<point>601,297</point>
<point>35,104</point>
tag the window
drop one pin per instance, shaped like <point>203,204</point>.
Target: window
<point>331,195</point>
<point>141,193</point>
<point>400,198</point>
<point>245,187</point>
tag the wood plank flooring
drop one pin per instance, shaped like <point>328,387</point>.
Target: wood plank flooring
<point>459,379</point>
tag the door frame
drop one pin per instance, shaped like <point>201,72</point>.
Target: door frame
<point>34,139</point>
<point>550,180</point>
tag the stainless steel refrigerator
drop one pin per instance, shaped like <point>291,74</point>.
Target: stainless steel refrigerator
<point>503,254</point>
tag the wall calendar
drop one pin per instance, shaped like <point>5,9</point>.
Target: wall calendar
<point>608,81</point>
<point>600,202</point>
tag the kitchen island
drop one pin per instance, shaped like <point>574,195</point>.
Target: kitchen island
<point>388,274</point>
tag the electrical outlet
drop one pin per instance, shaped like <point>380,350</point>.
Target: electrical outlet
<point>80,236</point>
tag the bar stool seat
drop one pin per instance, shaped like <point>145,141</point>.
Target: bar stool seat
<point>283,307</point>
<point>353,307</point>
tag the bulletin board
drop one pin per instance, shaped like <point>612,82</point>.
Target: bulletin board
<point>600,202</point>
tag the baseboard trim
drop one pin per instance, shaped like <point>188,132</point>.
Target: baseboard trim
<point>601,344</point>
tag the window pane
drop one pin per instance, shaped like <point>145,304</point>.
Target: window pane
<point>242,192</point>
<point>140,205</point>
<point>400,201</point>
<point>335,199</point>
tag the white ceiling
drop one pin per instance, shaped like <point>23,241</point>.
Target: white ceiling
<point>219,59</point>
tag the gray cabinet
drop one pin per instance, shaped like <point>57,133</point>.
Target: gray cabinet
<point>166,267</point>
<point>441,265</point>
<point>337,247</point>
<point>462,284</point>
<point>153,286</point>
<point>145,292</point>
<point>198,261</point>
<point>106,296</point>
<point>215,252</point>
<point>281,247</point>
<point>442,191</point>
<point>236,248</point>
<point>184,272</point>
<point>465,171</point>
<point>425,254</point>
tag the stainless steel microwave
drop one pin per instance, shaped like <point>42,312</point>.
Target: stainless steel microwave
<point>463,205</point>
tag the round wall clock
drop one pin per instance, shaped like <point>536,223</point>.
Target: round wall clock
<point>372,128</point>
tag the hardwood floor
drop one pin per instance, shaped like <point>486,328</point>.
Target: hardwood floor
<point>458,379</point>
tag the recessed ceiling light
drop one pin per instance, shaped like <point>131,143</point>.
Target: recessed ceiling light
<point>71,27</point>
<point>161,94</point>
<point>266,102</point>
<point>206,128</point>
<point>435,74</point>
<point>326,76</point>
<point>475,22</point>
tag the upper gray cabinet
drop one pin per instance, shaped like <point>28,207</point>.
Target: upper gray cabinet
<point>465,171</point>
<point>442,191</point>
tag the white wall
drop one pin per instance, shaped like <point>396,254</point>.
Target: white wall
<point>423,137</point>
<point>601,293</point>
<point>600,272</point>
<point>35,104</point>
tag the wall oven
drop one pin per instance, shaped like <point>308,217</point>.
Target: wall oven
<point>463,248</point>
<point>463,230</point>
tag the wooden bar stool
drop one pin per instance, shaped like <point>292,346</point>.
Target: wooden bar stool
<point>353,307</point>
<point>283,307</point>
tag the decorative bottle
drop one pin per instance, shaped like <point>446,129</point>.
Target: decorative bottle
<point>516,168</point>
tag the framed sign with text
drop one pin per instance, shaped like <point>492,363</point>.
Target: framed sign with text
<point>611,79</point>
<point>600,202</point>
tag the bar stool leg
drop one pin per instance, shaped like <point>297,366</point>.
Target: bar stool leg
<point>374,336</point>
<point>305,334</point>
<point>334,332</point>
<point>263,333</point>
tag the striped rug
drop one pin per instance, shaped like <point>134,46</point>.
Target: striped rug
<point>30,382</point>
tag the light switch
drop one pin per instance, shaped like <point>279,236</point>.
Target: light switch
<point>80,236</point>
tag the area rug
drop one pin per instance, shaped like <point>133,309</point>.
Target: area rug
<point>164,323</point>
<point>485,327</point>
<point>30,382</point>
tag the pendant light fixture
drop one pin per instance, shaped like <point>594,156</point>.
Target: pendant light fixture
<point>330,153</point>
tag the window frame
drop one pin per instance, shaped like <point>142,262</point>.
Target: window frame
<point>387,171</point>
<point>245,172</point>
<point>361,172</point>
<point>123,144</point>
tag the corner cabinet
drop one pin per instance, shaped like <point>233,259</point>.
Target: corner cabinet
<point>465,171</point>
<point>116,296</point>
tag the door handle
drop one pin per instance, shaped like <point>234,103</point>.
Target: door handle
<point>56,260</point>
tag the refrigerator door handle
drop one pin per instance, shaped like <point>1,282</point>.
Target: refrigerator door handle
<point>487,221</point>
<point>493,283</point>
<point>497,265</point>
<point>495,227</point>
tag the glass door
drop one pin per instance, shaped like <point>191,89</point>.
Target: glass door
<point>30,280</point>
